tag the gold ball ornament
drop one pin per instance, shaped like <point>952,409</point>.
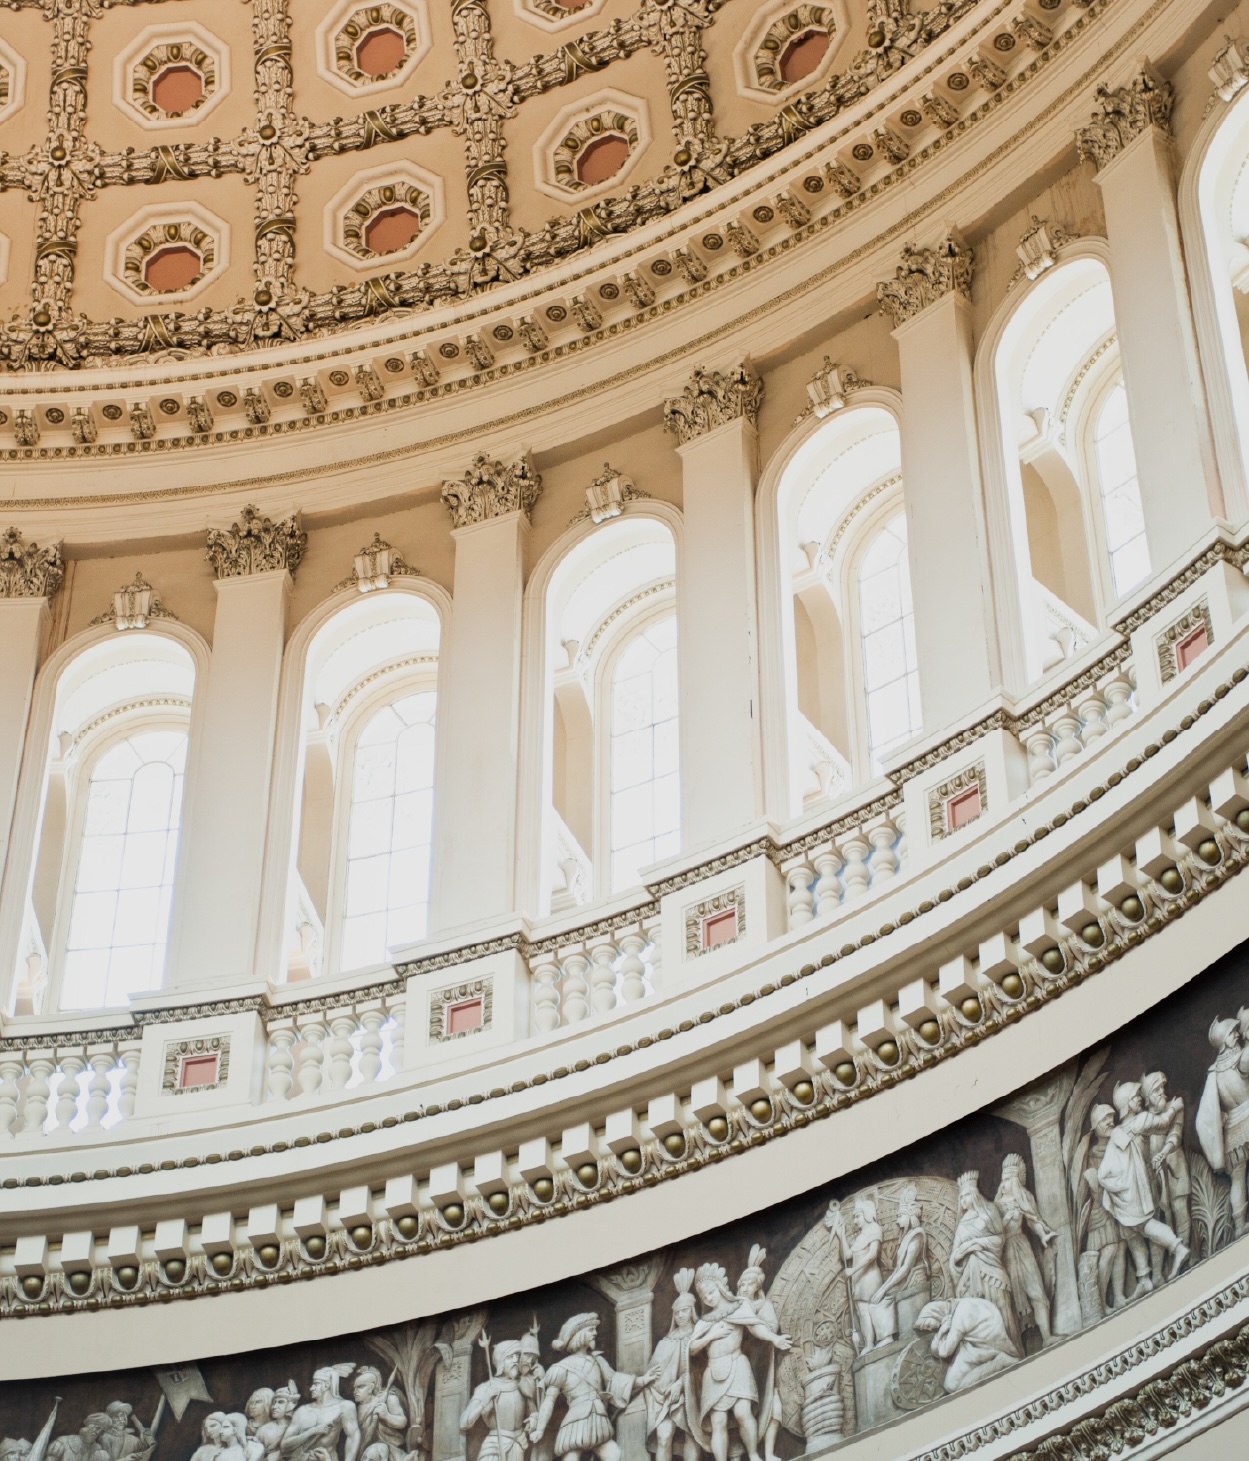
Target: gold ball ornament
<point>362,1235</point>
<point>1242,819</point>
<point>453,1214</point>
<point>718,1128</point>
<point>1208,851</point>
<point>222,1264</point>
<point>1012,986</point>
<point>930,1032</point>
<point>1132,908</point>
<point>498,1203</point>
<point>32,1285</point>
<point>1092,935</point>
<point>1052,961</point>
<point>315,1246</point>
<point>761,1109</point>
<point>631,1160</point>
<point>1171,881</point>
<point>888,1052</point>
<point>268,1253</point>
<point>128,1276</point>
<point>175,1270</point>
<point>844,1072</point>
<point>674,1144</point>
<point>408,1226</point>
<point>803,1092</point>
<point>544,1189</point>
<point>80,1282</point>
<point>971,1009</point>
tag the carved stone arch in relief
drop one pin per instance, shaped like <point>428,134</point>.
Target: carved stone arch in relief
<point>811,1293</point>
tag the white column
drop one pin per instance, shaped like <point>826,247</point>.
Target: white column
<point>221,853</point>
<point>717,623</point>
<point>475,798</point>
<point>1129,141</point>
<point>949,561</point>
<point>22,625</point>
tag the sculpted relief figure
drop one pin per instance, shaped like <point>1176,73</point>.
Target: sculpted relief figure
<point>877,1313</point>
<point>970,1334</point>
<point>588,1386</point>
<point>1127,1189</point>
<point>667,1400</point>
<point>269,1429</point>
<point>125,1434</point>
<point>1223,1114</point>
<point>1103,1235</point>
<point>223,1437</point>
<point>533,1386</point>
<point>381,1416</point>
<point>755,1302</point>
<point>910,1276</point>
<point>1168,1160</point>
<point>977,1259</point>
<point>86,1445</point>
<point>501,1405</point>
<point>1020,1217</point>
<point>317,1427</point>
<point>728,1388</point>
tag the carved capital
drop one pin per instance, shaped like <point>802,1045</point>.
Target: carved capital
<point>1122,114</point>
<point>1230,71</point>
<point>606,496</point>
<point>490,489</point>
<point>374,566</point>
<point>28,571</point>
<point>829,386</point>
<point>134,606</point>
<point>711,399</point>
<point>256,544</point>
<point>925,276</point>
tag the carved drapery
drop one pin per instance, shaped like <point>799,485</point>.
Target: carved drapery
<point>490,489</point>
<point>28,571</point>
<point>925,276</point>
<point>1123,113</point>
<point>712,399</point>
<point>133,605</point>
<point>375,565</point>
<point>256,544</point>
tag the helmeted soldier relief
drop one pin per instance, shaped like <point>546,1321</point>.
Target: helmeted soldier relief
<point>1223,1115</point>
<point>1127,1189</point>
<point>500,1405</point>
<point>591,1390</point>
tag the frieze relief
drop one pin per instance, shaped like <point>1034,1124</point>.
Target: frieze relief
<point>825,1317</point>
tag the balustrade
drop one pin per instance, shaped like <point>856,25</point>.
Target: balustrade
<point>846,867</point>
<point>1060,730</point>
<point>67,1090</point>
<point>594,976</point>
<point>316,1052</point>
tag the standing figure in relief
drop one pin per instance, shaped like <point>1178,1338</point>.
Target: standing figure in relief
<point>588,1385</point>
<point>1019,1215</point>
<point>1103,1235</point>
<point>13,1448</point>
<point>317,1427</point>
<point>380,1414</point>
<point>1167,1159</point>
<point>86,1445</point>
<point>910,1268</point>
<point>281,1407</point>
<point>125,1435</point>
<point>970,1334</point>
<point>224,1438</point>
<point>500,1405</point>
<point>976,1255</point>
<point>728,1383</point>
<point>1127,1190</point>
<point>667,1409</point>
<point>533,1385</point>
<point>759,1310</point>
<point>1223,1115</point>
<point>878,1319</point>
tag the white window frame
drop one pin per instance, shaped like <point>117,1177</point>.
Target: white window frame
<point>391,686</point>
<point>93,745</point>
<point>661,605</point>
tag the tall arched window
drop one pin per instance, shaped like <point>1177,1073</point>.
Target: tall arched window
<point>887,636</point>
<point>1122,514</point>
<point>390,828</point>
<point>123,881</point>
<point>645,815</point>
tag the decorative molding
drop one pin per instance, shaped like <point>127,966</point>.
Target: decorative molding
<point>652,590</point>
<point>134,604</point>
<point>441,1000</point>
<point>256,544</point>
<point>340,33</point>
<point>177,1050</point>
<point>28,571</point>
<point>828,389</point>
<point>606,496</point>
<point>970,777</point>
<point>1123,113</point>
<point>924,276</point>
<point>1038,249</point>
<point>375,565</point>
<point>605,113</point>
<point>1230,71</point>
<point>731,900</point>
<point>400,184</point>
<point>1197,617</point>
<point>713,398</point>
<point>759,54</point>
<point>129,248</point>
<point>490,489</point>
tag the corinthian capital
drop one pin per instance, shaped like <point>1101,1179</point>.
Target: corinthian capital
<point>712,398</point>
<point>28,571</point>
<point>490,489</point>
<point>256,544</point>
<point>925,276</point>
<point>1122,114</point>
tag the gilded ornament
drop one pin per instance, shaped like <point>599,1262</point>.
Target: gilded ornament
<point>971,1009</point>
<point>587,1174</point>
<point>712,399</point>
<point>362,1236</point>
<point>1171,881</point>
<point>256,544</point>
<point>1012,986</point>
<point>491,489</point>
<point>631,1160</point>
<point>174,1269</point>
<point>27,570</point>
<point>453,1214</point>
<point>1093,935</point>
<point>408,1226</point>
<point>315,1247</point>
<point>924,276</point>
<point>1208,851</point>
<point>1132,908</point>
<point>498,1203</point>
<point>1123,113</point>
<point>544,1189</point>
<point>761,1109</point>
<point>674,1144</point>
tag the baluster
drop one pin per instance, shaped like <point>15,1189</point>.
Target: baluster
<point>603,978</point>
<point>902,850</point>
<point>655,959</point>
<point>102,1059</point>
<point>41,1064</point>
<point>73,1063</point>
<point>576,990</point>
<point>800,899</point>
<point>312,1032</point>
<point>884,860</point>
<point>1040,746</point>
<point>632,966</point>
<point>399,1013</point>
<point>1118,694</point>
<point>1066,736</point>
<point>343,1027</point>
<point>372,1018</point>
<point>1091,708</point>
<point>281,1061</point>
<point>828,864</point>
<point>545,994</point>
<point>856,848</point>
<point>130,1055</point>
<point>12,1068</point>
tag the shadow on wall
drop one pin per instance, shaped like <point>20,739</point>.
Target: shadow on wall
<point>829,1315</point>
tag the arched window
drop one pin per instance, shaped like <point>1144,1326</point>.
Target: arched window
<point>645,791</point>
<point>124,875</point>
<point>887,638</point>
<point>1122,514</point>
<point>390,827</point>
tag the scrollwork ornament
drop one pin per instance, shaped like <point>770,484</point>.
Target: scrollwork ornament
<point>1123,113</point>
<point>924,276</point>
<point>28,571</point>
<point>256,544</point>
<point>491,489</point>
<point>714,398</point>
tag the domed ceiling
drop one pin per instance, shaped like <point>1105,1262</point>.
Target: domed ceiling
<point>196,177</point>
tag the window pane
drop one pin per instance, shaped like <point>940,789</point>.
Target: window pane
<point>386,897</point>
<point>887,642</point>
<point>1122,513</point>
<point>123,884</point>
<point>645,811</point>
